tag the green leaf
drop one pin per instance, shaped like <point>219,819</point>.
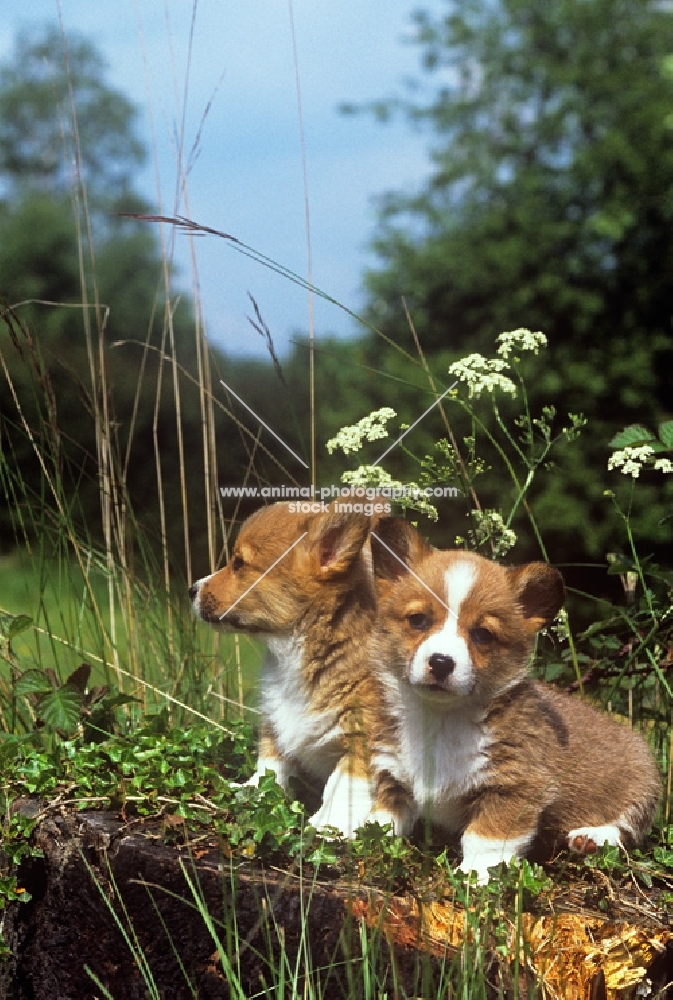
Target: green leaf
<point>666,433</point>
<point>60,709</point>
<point>10,746</point>
<point>13,625</point>
<point>664,855</point>
<point>532,876</point>
<point>32,682</point>
<point>645,878</point>
<point>632,436</point>
<point>111,701</point>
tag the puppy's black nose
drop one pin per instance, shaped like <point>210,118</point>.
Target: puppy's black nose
<point>441,666</point>
<point>193,591</point>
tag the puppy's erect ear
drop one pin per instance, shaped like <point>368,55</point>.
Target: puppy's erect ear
<point>539,591</point>
<point>396,544</point>
<point>335,540</point>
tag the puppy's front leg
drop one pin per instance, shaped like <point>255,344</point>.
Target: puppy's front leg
<point>393,804</point>
<point>269,758</point>
<point>503,828</point>
<point>347,798</point>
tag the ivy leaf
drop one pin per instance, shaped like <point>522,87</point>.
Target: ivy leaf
<point>61,709</point>
<point>10,746</point>
<point>632,437</point>
<point>664,855</point>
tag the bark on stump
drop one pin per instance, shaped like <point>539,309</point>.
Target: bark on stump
<point>103,883</point>
<point>92,861</point>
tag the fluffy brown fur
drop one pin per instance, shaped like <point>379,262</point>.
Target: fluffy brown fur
<point>315,609</point>
<point>487,752</point>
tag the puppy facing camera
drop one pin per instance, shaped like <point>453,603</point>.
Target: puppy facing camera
<point>478,746</point>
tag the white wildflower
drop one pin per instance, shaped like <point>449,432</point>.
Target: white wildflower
<point>370,428</point>
<point>370,475</point>
<point>482,373</point>
<point>663,465</point>
<point>489,524</point>
<point>631,460</point>
<point>520,340</point>
<point>408,495</point>
<point>560,626</point>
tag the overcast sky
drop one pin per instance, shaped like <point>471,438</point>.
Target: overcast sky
<point>247,178</point>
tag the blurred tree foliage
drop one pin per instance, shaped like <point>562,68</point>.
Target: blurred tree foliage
<point>57,115</point>
<point>549,206</point>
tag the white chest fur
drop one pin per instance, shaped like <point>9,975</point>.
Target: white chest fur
<point>308,737</point>
<point>442,756</point>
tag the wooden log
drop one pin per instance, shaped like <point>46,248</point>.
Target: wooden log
<point>117,899</point>
<point>104,887</point>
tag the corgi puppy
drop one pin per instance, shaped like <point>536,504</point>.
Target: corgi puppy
<point>476,745</point>
<point>303,583</point>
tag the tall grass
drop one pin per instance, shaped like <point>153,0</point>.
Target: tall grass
<point>115,599</point>
<point>106,601</point>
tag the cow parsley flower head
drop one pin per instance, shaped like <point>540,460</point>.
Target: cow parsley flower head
<point>560,625</point>
<point>631,460</point>
<point>370,428</point>
<point>408,495</point>
<point>482,373</point>
<point>663,465</point>
<point>520,340</point>
<point>489,525</point>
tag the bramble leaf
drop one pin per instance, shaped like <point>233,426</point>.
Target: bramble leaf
<point>60,709</point>
<point>666,433</point>
<point>632,436</point>
<point>32,681</point>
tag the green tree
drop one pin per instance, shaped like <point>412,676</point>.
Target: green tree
<point>549,206</point>
<point>57,110</point>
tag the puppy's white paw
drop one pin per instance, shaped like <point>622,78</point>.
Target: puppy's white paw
<point>280,770</point>
<point>477,867</point>
<point>400,826</point>
<point>253,780</point>
<point>482,853</point>
<point>384,818</point>
<point>587,839</point>
<point>346,804</point>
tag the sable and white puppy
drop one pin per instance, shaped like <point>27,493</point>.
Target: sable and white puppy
<point>477,745</point>
<point>303,583</point>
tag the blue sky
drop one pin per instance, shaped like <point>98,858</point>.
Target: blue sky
<point>247,178</point>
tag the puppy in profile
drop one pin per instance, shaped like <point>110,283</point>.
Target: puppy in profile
<point>479,747</point>
<point>303,583</point>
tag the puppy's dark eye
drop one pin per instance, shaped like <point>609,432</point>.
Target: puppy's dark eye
<point>420,621</point>
<point>481,636</point>
<point>236,563</point>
